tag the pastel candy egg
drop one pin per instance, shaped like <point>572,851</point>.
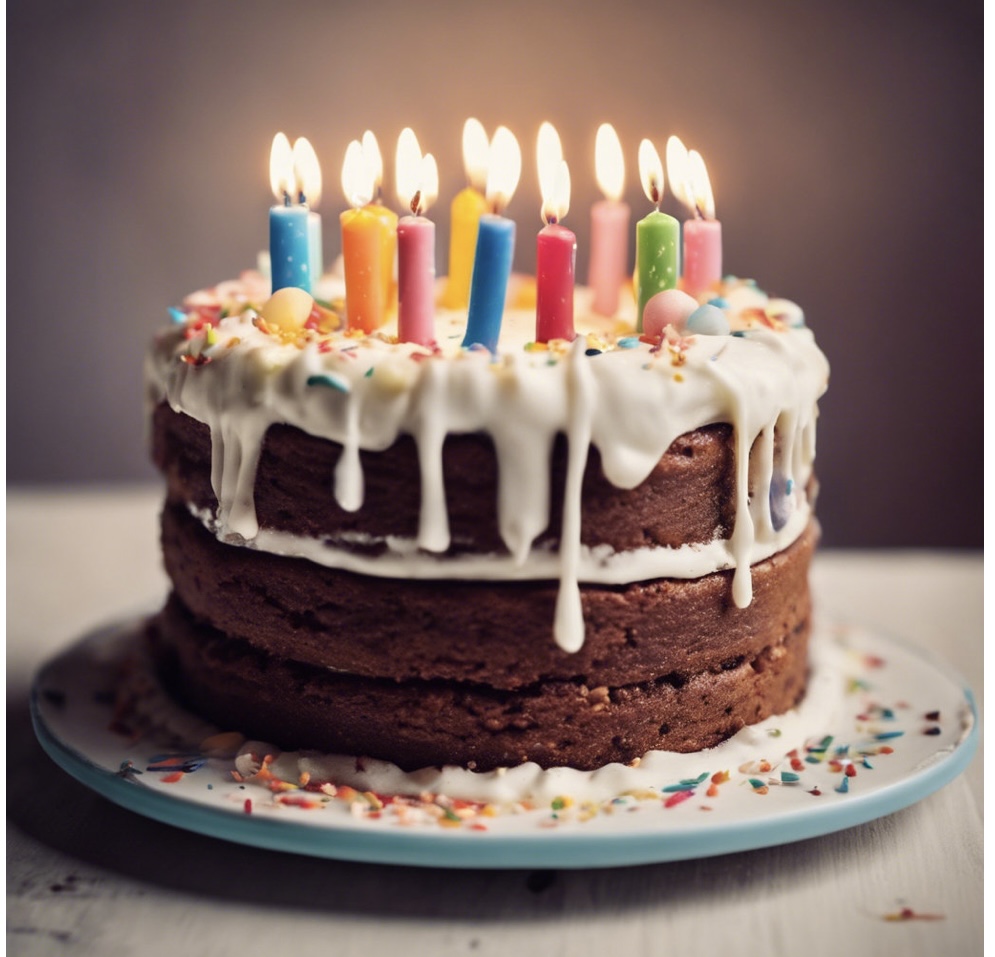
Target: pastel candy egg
<point>288,309</point>
<point>708,320</point>
<point>670,307</point>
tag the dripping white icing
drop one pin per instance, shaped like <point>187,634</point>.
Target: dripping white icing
<point>631,401</point>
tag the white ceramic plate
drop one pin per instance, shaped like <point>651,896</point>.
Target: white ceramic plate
<point>907,727</point>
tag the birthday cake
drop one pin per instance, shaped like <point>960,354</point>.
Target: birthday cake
<point>570,553</point>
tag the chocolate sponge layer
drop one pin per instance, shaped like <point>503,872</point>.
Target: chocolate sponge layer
<point>493,633</point>
<point>687,498</point>
<point>420,723</point>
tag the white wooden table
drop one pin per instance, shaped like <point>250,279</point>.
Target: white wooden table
<point>87,877</point>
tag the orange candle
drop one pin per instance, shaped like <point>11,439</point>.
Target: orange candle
<point>369,240</point>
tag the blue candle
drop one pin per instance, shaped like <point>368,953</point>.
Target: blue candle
<point>489,284</point>
<point>290,259</point>
<point>316,261</point>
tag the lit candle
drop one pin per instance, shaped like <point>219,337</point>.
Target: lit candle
<point>307,174</point>
<point>657,236</point>
<point>467,207</point>
<point>369,240</point>
<point>609,224</point>
<point>387,217</point>
<point>417,188</point>
<point>556,246</point>
<point>702,232</point>
<point>495,244</point>
<point>288,221</point>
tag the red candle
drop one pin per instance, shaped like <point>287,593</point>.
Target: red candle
<point>417,187</point>
<point>609,224</point>
<point>556,253</point>
<point>556,246</point>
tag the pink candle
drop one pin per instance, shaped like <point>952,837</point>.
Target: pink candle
<point>416,280</point>
<point>702,232</point>
<point>556,253</point>
<point>702,254</point>
<point>417,187</point>
<point>609,224</point>
<point>556,246</point>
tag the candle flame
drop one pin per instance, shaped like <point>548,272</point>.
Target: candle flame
<point>701,185</point>
<point>371,149</point>
<point>554,175</point>
<point>651,172</point>
<point>307,172</point>
<point>417,175</point>
<point>281,169</point>
<point>475,149</point>
<point>358,176</point>
<point>504,167</point>
<point>679,171</point>
<point>609,162</point>
<point>549,154</point>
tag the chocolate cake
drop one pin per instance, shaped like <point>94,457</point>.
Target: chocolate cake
<point>566,553</point>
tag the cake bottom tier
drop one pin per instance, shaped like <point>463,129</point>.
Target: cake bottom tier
<point>423,723</point>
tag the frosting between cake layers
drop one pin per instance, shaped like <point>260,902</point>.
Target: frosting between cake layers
<point>628,397</point>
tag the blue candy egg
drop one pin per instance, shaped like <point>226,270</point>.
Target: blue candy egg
<point>708,320</point>
<point>782,503</point>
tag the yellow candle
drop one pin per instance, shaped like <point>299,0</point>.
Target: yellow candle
<point>465,212</point>
<point>467,207</point>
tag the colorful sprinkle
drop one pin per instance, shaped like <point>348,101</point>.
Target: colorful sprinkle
<point>628,342</point>
<point>907,913</point>
<point>331,381</point>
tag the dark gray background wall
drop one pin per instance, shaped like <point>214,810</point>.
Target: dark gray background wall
<point>844,141</point>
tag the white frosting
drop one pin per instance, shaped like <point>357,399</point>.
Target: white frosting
<point>631,401</point>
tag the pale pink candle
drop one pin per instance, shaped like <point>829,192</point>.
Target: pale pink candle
<point>416,280</point>
<point>702,254</point>
<point>608,265</point>
<point>702,233</point>
<point>417,187</point>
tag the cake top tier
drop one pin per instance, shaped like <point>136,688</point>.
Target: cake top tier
<point>240,361</point>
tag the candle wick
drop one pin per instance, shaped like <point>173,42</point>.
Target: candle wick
<point>416,203</point>
<point>301,198</point>
<point>286,198</point>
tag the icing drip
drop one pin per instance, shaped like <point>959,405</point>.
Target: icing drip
<point>630,399</point>
<point>568,627</point>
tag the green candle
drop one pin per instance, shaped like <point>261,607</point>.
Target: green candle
<point>658,239</point>
<point>658,236</point>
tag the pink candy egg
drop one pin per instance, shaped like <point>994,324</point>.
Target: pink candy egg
<point>670,307</point>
